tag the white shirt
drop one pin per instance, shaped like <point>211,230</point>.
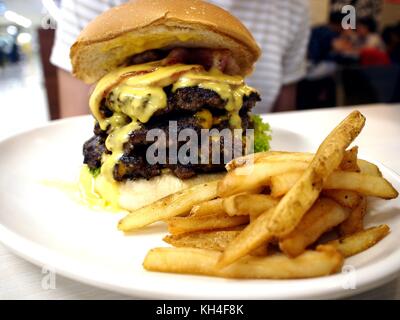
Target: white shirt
<point>281,27</point>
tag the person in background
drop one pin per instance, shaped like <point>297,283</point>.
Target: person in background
<point>318,89</point>
<point>391,37</point>
<point>363,45</point>
<point>368,36</point>
<point>281,28</point>
<point>322,38</point>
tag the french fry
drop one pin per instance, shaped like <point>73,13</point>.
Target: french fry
<point>360,241</point>
<point>355,221</point>
<point>171,206</point>
<point>349,162</point>
<point>179,225</point>
<point>364,166</point>
<point>368,168</point>
<point>261,251</point>
<point>268,156</point>
<point>361,183</point>
<point>212,240</point>
<point>248,204</point>
<point>281,184</point>
<point>346,198</point>
<point>301,196</point>
<point>323,216</point>
<point>326,260</point>
<point>342,180</point>
<point>208,207</point>
<point>247,178</point>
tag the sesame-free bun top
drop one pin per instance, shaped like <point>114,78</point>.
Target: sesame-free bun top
<point>140,25</point>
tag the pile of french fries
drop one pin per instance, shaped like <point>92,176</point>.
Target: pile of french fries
<point>268,217</point>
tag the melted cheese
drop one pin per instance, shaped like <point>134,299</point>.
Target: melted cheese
<point>205,118</point>
<point>229,88</point>
<point>143,94</point>
<point>98,192</point>
<point>135,98</point>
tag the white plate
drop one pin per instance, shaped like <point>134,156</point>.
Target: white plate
<point>45,226</point>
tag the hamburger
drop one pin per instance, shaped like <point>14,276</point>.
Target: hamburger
<point>155,63</point>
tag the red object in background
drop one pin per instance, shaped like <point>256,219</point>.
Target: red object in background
<point>393,1</point>
<point>374,57</point>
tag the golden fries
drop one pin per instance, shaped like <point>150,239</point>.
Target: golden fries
<point>342,180</point>
<point>268,156</point>
<point>366,185</point>
<point>346,198</point>
<point>360,241</point>
<point>355,221</point>
<point>262,218</point>
<point>301,196</point>
<point>248,204</point>
<point>349,161</point>
<point>368,168</point>
<point>324,261</point>
<point>212,240</point>
<point>323,216</point>
<point>208,207</point>
<point>252,177</point>
<point>179,225</point>
<point>168,207</point>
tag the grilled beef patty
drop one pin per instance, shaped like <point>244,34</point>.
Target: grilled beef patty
<point>182,104</point>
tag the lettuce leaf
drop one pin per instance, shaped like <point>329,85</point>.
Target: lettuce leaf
<point>262,134</point>
<point>94,171</point>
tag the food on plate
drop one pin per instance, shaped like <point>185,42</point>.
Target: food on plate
<point>355,220</point>
<point>212,240</point>
<point>323,216</point>
<point>346,198</point>
<point>339,180</point>
<point>283,235</point>
<point>299,199</point>
<point>180,225</point>
<point>214,206</point>
<point>166,72</point>
<point>248,204</point>
<point>312,263</point>
<point>159,61</point>
<point>173,205</point>
<point>360,241</point>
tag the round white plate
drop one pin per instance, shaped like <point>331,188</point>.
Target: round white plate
<point>47,227</point>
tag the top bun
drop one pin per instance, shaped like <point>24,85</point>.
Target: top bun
<point>134,27</point>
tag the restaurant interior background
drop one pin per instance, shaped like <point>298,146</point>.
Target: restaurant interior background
<point>28,82</point>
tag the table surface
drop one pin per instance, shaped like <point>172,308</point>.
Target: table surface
<point>379,140</point>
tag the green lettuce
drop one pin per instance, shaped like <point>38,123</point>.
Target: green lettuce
<point>262,134</point>
<point>94,171</point>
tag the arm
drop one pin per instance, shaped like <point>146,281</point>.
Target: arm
<point>294,64</point>
<point>73,95</point>
<point>286,100</point>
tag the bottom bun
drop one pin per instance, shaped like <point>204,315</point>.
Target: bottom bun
<point>139,193</point>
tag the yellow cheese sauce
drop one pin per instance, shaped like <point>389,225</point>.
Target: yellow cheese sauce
<point>94,192</point>
<point>229,88</point>
<point>135,99</point>
<point>98,192</point>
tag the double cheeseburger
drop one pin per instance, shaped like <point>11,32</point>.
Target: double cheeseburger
<point>156,61</point>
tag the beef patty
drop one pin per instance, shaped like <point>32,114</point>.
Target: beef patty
<point>182,104</point>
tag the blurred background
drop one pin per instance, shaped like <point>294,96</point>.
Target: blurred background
<point>341,69</point>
